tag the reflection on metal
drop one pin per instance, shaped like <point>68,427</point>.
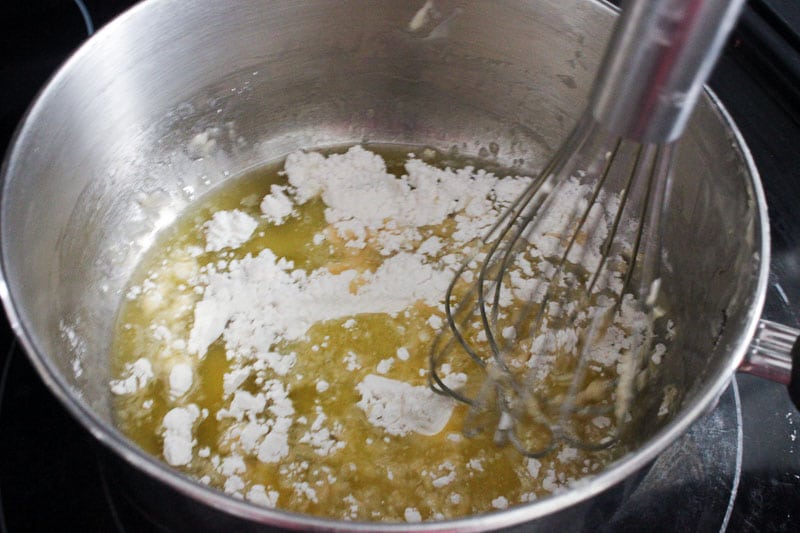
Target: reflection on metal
<point>770,352</point>
<point>87,18</point>
<point>698,474</point>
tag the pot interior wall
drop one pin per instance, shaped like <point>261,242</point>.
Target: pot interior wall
<point>174,98</point>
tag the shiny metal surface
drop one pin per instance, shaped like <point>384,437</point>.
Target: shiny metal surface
<point>657,63</point>
<point>770,354</point>
<point>659,57</point>
<point>171,99</point>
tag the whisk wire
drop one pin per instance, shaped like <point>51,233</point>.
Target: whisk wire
<point>505,402</point>
<point>524,217</point>
<point>586,297</point>
<point>605,249</point>
<point>526,225</point>
<point>507,220</point>
<point>567,408</point>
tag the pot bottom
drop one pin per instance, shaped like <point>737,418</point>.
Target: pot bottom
<point>689,487</point>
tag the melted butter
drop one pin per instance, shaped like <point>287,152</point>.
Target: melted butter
<point>375,475</point>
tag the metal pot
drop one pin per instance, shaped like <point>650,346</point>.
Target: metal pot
<point>104,159</point>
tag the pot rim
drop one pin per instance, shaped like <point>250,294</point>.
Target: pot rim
<point>584,489</point>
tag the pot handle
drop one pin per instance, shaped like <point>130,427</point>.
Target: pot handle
<point>774,354</point>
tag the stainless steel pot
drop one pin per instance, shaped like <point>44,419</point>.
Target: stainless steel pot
<point>110,153</point>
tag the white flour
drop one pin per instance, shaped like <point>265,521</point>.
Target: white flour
<point>180,380</point>
<point>260,301</point>
<point>178,438</point>
<point>400,408</point>
<point>256,305</point>
<point>139,373</point>
<point>228,229</point>
<point>362,196</point>
<point>277,206</point>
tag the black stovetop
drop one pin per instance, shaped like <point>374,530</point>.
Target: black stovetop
<point>52,471</point>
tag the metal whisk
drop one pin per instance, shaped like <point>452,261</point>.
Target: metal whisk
<point>571,269</point>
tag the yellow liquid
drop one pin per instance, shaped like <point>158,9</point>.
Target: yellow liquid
<point>374,475</point>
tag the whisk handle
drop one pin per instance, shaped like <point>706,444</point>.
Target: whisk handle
<point>659,56</point>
